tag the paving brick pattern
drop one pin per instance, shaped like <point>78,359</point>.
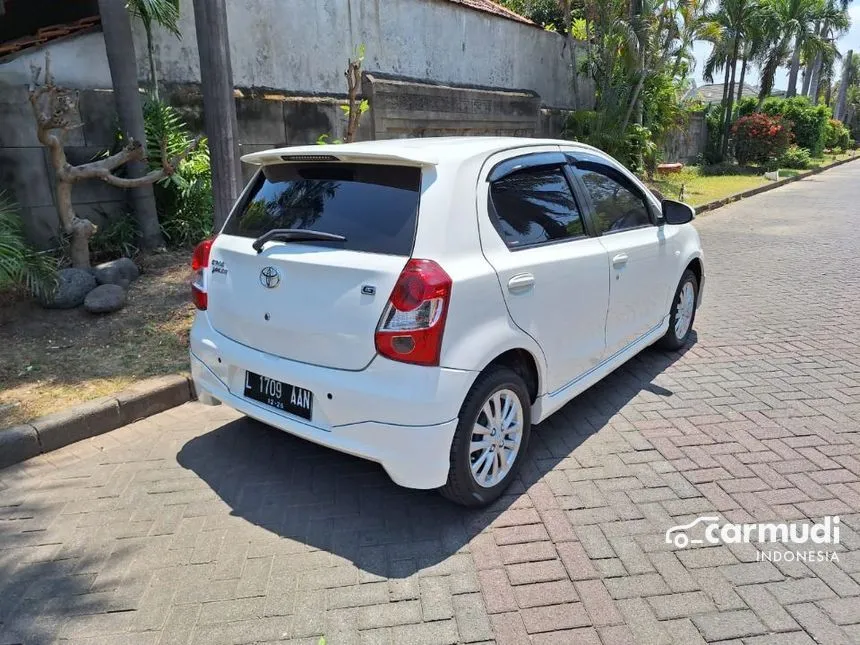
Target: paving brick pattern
<point>197,526</point>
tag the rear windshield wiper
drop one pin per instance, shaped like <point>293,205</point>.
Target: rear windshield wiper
<point>294,235</point>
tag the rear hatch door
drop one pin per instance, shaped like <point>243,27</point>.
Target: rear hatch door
<point>314,301</point>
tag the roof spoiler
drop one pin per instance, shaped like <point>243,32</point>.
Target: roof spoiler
<point>335,153</point>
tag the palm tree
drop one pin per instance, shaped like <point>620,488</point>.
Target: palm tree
<point>155,12</point>
<point>791,29</point>
<point>119,46</point>
<point>734,28</point>
<point>833,21</point>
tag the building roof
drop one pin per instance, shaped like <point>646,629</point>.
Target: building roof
<point>47,34</point>
<point>713,93</point>
<point>487,6</point>
<point>425,151</point>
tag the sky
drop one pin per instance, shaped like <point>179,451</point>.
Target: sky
<point>851,40</point>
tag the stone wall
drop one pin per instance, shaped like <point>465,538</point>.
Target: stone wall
<point>402,108</point>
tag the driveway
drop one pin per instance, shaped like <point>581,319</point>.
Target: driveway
<point>199,526</point>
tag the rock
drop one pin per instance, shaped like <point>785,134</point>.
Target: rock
<point>107,274</point>
<point>105,299</point>
<point>73,285</point>
<point>114,271</point>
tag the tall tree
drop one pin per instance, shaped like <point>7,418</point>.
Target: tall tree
<point>833,21</point>
<point>119,46</point>
<point>847,72</point>
<point>219,107</point>
<point>788,25</point>
<point>155,12</point>
<point>732,26</point>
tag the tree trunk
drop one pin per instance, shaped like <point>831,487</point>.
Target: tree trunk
<point>723,104</point>
<point>123,70</point>
<point>807,74</point>
<point>794,70</point>
<point>219,107</point>
<point>153,73</point>
<point>741,83</point>
<point>839,109</point>
<point>815,78</point>
<point>731,95</point>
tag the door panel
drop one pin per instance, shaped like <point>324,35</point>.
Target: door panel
<point>636,285</point>
<point>554,278</point>
<point>640,259</point>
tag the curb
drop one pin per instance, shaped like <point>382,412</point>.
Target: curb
<point>704,208</point>
<point>93,418</point>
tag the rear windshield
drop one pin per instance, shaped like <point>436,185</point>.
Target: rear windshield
<point>374,207</point>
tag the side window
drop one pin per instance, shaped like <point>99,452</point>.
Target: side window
<point>534,205</point>
<point>618,206</point>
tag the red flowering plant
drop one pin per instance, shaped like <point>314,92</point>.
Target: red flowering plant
<point>760,138</point>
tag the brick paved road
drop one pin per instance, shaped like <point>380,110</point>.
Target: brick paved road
<point>196,526</point>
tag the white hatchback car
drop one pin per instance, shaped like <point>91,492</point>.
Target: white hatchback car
<point>422,302</point>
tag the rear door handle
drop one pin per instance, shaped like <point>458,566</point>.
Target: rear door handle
<point>620,260</point>
<point>521,282</point>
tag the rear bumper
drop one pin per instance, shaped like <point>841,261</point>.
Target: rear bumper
<point>401,416</point>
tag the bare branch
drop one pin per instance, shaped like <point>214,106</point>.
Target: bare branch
<point>102,169</point>
<point>132,151</point>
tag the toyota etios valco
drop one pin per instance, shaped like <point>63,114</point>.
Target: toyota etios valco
<point>422,302</point>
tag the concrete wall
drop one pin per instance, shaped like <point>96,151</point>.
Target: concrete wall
<point>688,142</point>
<point>301,46</point>
<point>288,59</point>
<point>26,173</point>
<point>79,61</point>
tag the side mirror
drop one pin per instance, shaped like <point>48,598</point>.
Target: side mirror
<point>677,212</point>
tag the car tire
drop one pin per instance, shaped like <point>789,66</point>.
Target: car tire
<point>497,384</point>
<point>681,318</point>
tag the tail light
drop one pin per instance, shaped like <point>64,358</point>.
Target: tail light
<point>199,263</point>
<point>413,321</point>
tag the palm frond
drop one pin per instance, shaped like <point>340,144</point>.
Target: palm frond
<point>160,12</point>
<point>22,267</point>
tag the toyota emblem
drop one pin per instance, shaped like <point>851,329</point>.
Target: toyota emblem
<point>270,277</point>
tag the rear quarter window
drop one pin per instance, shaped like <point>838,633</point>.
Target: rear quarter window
<point>375,207</point>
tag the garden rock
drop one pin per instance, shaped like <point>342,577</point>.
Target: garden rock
<point>105,299</point>
<point>73,285</point>
<point>116,270</point>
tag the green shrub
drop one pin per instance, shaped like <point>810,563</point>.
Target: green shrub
<point>795,157</point>
<point>809,121</point>
<point>714,126</point>
<point>760,138</point>
<point>836,135</point>
<point>21,266</point>
<point>747,106</point>
<point>184,200</point>
<point>635,148</point>
<point>117,238</point>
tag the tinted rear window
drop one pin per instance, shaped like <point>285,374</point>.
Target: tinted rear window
<point>374,207</point>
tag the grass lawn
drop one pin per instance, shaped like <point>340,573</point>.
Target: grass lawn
<point>700,189</point>
<point>52,359</point>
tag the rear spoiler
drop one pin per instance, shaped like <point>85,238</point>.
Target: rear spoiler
<point>338,153</point>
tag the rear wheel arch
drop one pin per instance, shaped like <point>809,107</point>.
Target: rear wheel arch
<point>523,362</point>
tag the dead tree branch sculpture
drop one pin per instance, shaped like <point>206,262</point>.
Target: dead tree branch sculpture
<point>53,109</point>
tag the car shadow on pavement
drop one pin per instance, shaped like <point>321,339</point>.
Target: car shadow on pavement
<point>323,500</point>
